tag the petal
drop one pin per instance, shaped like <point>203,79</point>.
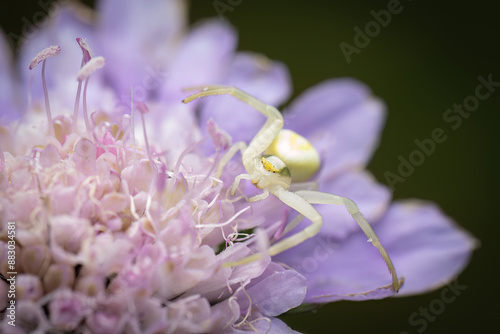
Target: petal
<point>68,235</point>
<point>276,291</point>
<point>67,309</point>
<point>216,288</point>
<point>173,125</point>
<point>350,270</point>
<point>271,326</point>
<point>427,250</point>
<point>109,314</point>
<point>30,318</point>
<point>341,119</point>
<point>227,312</point>
<point>29,287</point>
<point>137,38</point>
<point>4,302</point>
<point>189,315</point>
<point>257,323</point>
<point>201,59</point>
<point>151,317</point>
<point>372,199</point>
<point>277,327</point>
<point>58,276</point>
<point>266,80</point>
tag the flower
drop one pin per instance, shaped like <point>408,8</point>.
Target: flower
<point>120,225</point>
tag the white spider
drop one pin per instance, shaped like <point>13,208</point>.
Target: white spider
<point>271,174</point>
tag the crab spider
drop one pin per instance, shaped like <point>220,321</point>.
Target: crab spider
<point>270,173</point>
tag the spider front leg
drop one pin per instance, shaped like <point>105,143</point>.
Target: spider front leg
<point>266,134</point>
<point>241,146</point>
<point>317,197</point>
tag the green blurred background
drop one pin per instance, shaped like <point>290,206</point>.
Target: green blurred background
<point>426,59</point>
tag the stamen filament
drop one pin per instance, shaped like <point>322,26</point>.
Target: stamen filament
<point>85,114</point>
<point>48,52</point>
<point>84,74</point>
<point>143,108</point>
<point>47,105</point>
<point>77,102</point>
<point>87,55</point>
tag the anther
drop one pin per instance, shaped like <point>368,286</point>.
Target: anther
<point>87,52</point>
<point>90,67</point>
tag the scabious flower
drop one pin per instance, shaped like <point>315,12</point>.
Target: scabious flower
<point>120,223</point>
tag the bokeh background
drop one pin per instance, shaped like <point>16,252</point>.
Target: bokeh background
<point>425,60</point>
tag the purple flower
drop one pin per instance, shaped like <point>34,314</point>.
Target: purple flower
<point>120,224</point>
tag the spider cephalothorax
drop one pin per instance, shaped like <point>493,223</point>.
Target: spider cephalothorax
<point>271,170</point>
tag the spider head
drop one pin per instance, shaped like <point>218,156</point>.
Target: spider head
<point>271,171</point>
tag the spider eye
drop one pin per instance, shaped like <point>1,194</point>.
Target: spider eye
<point>275,165</point>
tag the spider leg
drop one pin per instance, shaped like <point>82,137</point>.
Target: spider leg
<point>266,134</point>
<point>237,180</point>
<point>303,207</point>
<point>291,225</point>
<point>317,197</point>
<point>297,219</point>
<point>241,146</point>
<point>259,197</point>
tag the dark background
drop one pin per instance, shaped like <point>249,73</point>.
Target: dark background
<point>427,58</point>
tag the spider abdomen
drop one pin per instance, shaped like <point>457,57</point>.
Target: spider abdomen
<point>297,153</point>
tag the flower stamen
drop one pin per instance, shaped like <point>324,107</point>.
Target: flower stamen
<point>42,56</point>
<point>84,74</point>
<point>143,109</point>
<point>249,309</point>
<point>87,55</point>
